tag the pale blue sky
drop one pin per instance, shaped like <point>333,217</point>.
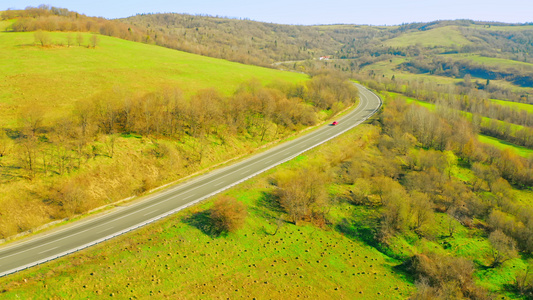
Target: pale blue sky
<point>380,12</point>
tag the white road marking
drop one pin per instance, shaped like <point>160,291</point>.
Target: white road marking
<point>55,241</point>
<point>190,196</point>
<point>48,250</point>
<point>153,211</point>
<point>131,213</point>
<point>106,229</point>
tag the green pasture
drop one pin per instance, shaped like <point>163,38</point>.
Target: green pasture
<point>57,76</point>
<point>490,61</point>
<point>4,24</point>
<point>425,104</point>
<point>501,144</point>
<point>438,37</point>
<point>515,105</point>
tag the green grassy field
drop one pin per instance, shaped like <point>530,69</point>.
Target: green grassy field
<point>491,61</point>
<point>440,37</point>
<point>55,77</point>
<point>388,68</point>
<point>176,258</point>
<point>515,105</point>
<point>500,144</point>
<point>5,23</point>
<point>425,104</point>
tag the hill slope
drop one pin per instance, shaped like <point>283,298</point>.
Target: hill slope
<point>57,76</point>
<point>442,48</point>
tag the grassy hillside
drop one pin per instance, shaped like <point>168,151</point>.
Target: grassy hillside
<point>491,61</point>
<point>515,105</point>
<point>501,144</point>
<point>491,48</point>
<point>55,77</point>
<point>393,67</point>
<point>438,37</point>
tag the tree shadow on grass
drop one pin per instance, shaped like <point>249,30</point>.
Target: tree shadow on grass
<point>355,231</point>
<point>270,202</point>
<point>365,231</point>
<point>202,221</point>
<point>268,206</point>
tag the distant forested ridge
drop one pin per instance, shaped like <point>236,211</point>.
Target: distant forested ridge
<point>349,47</point>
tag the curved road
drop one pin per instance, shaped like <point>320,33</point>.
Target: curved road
<point>85,233</point>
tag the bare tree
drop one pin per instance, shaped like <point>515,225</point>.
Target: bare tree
<point>279,224</point>
<point>422,212</point>
<point>302,193</point>
<point>524,281</point>
<point>452,222</point>
<point>110,142</point>
<point>70,39</point>
<point>5,144</point>
<point>79,38</point>
<point>503,248</point>
<point>94,40</point>
<point>42,38</point>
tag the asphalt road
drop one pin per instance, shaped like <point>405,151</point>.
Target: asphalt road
<point>82,234</point>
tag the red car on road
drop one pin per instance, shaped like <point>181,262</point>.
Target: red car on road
<point>334,123</point>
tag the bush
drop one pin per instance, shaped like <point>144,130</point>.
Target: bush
<point>227,215</point>
<point>444,277</point>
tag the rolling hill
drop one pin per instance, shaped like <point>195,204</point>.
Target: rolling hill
<point>57,76</point>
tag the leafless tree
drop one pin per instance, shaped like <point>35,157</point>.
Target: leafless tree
<point>42,38</point>
<point>94,40</point>
<point>503,248</point>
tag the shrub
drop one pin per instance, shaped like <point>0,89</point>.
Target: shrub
<point>227,215</point>
<point>444,277</point>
